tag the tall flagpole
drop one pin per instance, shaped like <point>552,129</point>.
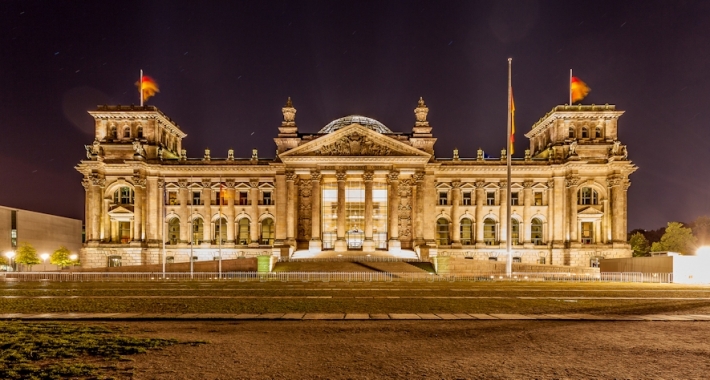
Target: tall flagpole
<point>140,87</point>
<point>569,87</point>
<point>164,223</point>
<point>192,227</point>
<point>220,227</point>
<point>509,262</point>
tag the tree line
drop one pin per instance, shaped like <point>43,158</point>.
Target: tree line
<point>675,237</point>
<point>26,254</point>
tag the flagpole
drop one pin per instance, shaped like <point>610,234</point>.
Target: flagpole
<point>509,262</point>
<point>192,227</point>
<point>569,87</point>
<point>220,227</point>
<point>164,224</point>
<point>140,87</point>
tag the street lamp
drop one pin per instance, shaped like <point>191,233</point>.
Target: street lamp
<point>73,258</point>
<point>10,255</point>
<point>44,258</point>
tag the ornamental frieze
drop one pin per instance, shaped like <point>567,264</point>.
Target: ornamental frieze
<point>356,144</point>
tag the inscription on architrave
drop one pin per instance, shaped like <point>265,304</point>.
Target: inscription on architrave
<point>304,210</point>
<point>404,210</point>
<point>356,144</point>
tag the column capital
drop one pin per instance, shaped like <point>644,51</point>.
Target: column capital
<point>290,175</point>
<point>528,184</point>
<point>182,183</point>
<point>613,181</point>
<point>341,176</point>
<point>418,176</point>
<point>86,183</point>
<point>551,184</point>
<point>479,183</point>
<point>315,176</point>
<point>206,183</point>
<point>393,176</point>
<point>98,180</point>
<point>161,183</point>
<point>456,184</point>
<point>254,182</point>
<point>503,185</point>
<point>368,176</point>
<point>138,181</point>
<point>229,183</point>
<point>571,181</point>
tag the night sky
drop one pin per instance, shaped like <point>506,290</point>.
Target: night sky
<point>225,70</point>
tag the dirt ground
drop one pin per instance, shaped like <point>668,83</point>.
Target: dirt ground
<point>425,350</point>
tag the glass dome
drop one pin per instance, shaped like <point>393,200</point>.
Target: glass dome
<point>355,119</point>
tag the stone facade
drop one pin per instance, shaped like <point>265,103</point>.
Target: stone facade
<point>355,186</point>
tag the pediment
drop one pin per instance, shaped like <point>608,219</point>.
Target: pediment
<point>590,211</point>
<point>121,213</point>
<point>354,141</point>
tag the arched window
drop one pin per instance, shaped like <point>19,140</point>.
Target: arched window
<point>598,132</point>
<point>442,231</point>
<point>466,231</point>
<point>126,132</point>
<point>113,133</point>
<point>267,231</point>
<point>587,196</point>
<point>219,232</point>
<point>585,132</point>
<point>243,231</point>
<point>571,132</point>
<point>139,132</point>
<point>198,229</point>
<point>123,196</point>
<point>536,231</point>
<point>514,231</point>
<point>174,231</point>
<point>489,231</point>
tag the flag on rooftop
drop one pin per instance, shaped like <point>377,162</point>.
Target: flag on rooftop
<point>578,90</point>
<point>147,87</point>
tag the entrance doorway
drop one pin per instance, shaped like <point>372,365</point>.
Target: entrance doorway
<point>354,239</point>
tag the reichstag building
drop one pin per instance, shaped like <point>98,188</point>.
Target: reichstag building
<point>354,188</point>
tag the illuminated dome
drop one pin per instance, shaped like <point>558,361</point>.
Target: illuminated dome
<point>355,119</point>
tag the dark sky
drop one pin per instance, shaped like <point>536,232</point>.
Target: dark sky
<point>226,68</point>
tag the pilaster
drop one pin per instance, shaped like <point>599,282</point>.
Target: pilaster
<point>394,244</point>
<point>315,245</point>
<point>340,243</point>
<point>455,221</point>
<point>368,244</point>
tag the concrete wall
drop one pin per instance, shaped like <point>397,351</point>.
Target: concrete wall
<point>656,264</point>
<point>44,232</point>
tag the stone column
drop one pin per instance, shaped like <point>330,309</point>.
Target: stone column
<point>455,221</point>
<point>280,202</point>
<point>556,212</point>
<point>315,245</point>
<point>606,219</point>
<point>88,222</point>
<point>229,212</point>
<point>138,204</point>
<point>429,207</point>
<point>95,207</point>
<point>417,213</point>
<point>207,200</point>
<point>340,244</point>
<point>184,214</point>
<point>369,244</point>
<point>503,207</point>
<point>254,211</point>
<point>152,223</point>
<point>393,214</point>
<point>162,228</point>
<point>292,196</point>
<point>527,203</point>
<point>571,182</point>
<point>618,208</point>
<point>480,198</point>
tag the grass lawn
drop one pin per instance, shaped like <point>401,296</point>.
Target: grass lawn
<point>343,297</point>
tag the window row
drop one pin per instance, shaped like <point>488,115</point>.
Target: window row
<point>490,231</point>
<point>241,198</point>
<point>126,132</point>
<point>584,133</point>
<point>219,231</point>
<point>490,198</point>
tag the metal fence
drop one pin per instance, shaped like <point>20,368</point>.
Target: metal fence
<point>379,259</point>
<point>334,277</point>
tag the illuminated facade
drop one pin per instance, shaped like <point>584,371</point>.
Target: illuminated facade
<point>354,187</point>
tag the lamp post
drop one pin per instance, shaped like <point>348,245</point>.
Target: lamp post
<point>44,258</point>
<point>10,255</point>
<point>73,258</point>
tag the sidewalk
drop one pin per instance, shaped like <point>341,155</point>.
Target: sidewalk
<point>348,316</point>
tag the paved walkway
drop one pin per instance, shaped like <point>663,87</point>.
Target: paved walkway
<point>347,316</point>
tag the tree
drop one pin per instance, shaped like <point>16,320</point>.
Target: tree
<point>27,255</point>
<point>60,257</point>
<point>676,239</point>
<point>639,244</point>
<point>701,229</point>
<point>4,260</point>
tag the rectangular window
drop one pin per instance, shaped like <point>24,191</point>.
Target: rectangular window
<point>443,198</point>
<point>172,198</point>
<point>196,198</point>
<point>243,200</point>
<point>514,198</point>
<point>587,232</point>
<point>467,198</point>
<point>490,198</point>
<point>267,198</point>
<point>114,261</point>
<point>215,198</point>
<point>538,198</point>
<point>541,260</point>
<point>13,229</point>
<point>517,260</point>
<point>124,232</point>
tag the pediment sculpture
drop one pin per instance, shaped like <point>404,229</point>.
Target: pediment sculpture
<point>355,144</point>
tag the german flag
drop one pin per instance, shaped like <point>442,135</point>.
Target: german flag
<point>148,87</point>
<point>578,90</point>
